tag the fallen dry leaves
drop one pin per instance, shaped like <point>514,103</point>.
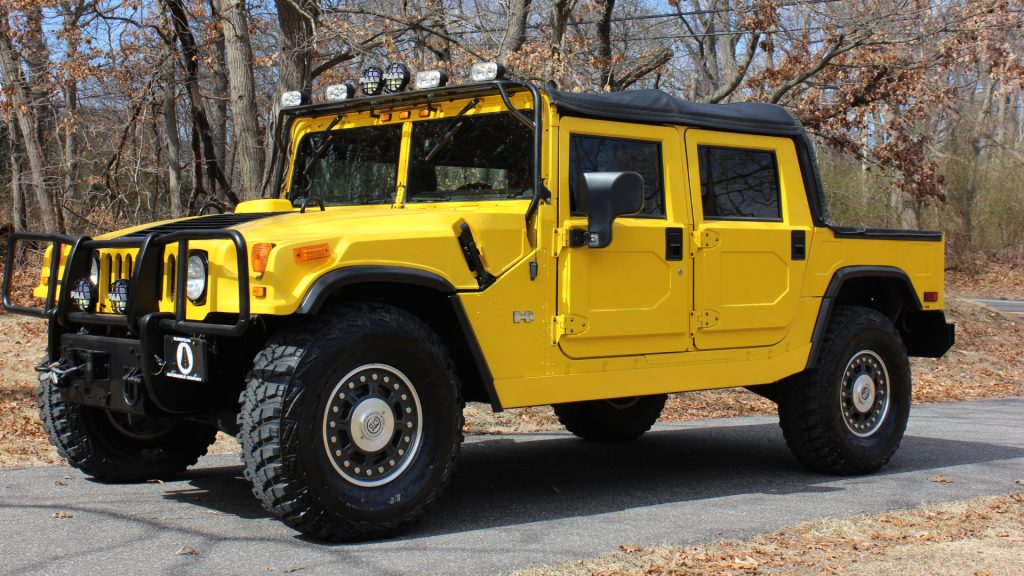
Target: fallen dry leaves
<point>975,536</point>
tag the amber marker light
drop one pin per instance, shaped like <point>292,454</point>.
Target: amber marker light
<point>309,253</point>
<point>260,257</point>
<point>424,113</point>
<point>931,296</point>
<point>259,291</point>
<point>404,115</point>
<point>385,117</point>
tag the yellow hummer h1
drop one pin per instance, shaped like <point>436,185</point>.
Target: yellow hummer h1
<point>495,241</point>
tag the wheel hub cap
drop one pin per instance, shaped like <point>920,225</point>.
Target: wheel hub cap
<point>372,425</point>
<point>864,395</point>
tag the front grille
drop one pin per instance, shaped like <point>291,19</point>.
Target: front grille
<point>214,222</point>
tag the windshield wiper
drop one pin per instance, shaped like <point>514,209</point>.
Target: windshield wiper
<point>322,148</point>
<point>449,135</point>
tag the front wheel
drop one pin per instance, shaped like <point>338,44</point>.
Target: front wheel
<point>351,423</point>
<point>848,414</point>
<point>118,447</point>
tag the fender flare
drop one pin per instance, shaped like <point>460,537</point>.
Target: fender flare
<point>325,286</point>
<point>835,285</point>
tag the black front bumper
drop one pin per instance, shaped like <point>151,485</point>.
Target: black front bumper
<point>117,361</point>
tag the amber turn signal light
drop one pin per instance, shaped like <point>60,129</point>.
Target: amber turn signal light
<point>260,256</point>
<point>308,253</point>
<point>931,296</point>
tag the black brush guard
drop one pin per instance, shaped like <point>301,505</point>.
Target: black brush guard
<point>112,371</point>
<point>144,291</point>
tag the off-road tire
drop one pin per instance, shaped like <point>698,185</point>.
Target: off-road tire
<point>87,438</point>
<point>812,406</point>
<point>287,403</point>
<point>608,421</point>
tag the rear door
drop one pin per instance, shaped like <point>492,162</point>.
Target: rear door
<point>750,239</point>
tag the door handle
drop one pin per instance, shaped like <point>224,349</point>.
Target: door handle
<point>673,244</point>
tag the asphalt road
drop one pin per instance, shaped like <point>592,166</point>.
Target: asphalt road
<point>1013,307</point>
<point>515,502</point>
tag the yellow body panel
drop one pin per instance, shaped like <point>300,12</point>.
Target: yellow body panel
<point>737,310</point>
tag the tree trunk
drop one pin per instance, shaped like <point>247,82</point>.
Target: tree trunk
<point>246,130</point>
<point>219,100</point>
<point>18,220</point>
<point>203,139</point>
<point>297,20</point>
<point>27,123</point>
<point>515,31</point>
<point>604,45</point>
<point>560,12</point>
<point>172,145</point>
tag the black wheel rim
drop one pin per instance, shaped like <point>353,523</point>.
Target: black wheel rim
<point>372,425</point>
<point>864,395</point>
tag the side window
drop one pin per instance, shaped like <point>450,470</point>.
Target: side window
<point>597,154</point>
<point>738,184</point>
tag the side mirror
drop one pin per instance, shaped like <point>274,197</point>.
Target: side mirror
<point>603,196</point>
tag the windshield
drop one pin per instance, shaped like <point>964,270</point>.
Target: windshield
<point>476,157</point>
<point>356,166</point>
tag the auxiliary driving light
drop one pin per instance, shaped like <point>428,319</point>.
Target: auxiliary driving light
<point>292,98</point>
<point>94,271</point>
<point>118,296</point>
<point>83,294</point>
<point>337,92</point>
<point>396,78</point>
<point>371,81</point>
<point>195,285</point>
<point>431,79</point>
<point>484,71</point>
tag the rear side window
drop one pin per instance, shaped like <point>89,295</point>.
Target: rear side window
<point>738,184</point>
<point>596,154</point>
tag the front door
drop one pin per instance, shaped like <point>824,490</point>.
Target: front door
<point>633,296</point>
<point>750,238</point>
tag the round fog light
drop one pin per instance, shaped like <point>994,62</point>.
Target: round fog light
<point>83,295</point>
<point>195,287</point>
<point>118,296</point>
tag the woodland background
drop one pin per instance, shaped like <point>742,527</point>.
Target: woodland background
<point>119,112</point>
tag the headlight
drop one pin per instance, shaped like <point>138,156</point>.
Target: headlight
<point>94,272</point>
<point>83,294</point>
<point>195,287</point>
<point>118,296</point>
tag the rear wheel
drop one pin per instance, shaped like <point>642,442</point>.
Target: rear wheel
<point>848,414</point>
<point>351,423</point>
<point>117,447</point>
<point>616,420</point>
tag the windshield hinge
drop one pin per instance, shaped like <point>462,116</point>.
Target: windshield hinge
<point>567,325</point>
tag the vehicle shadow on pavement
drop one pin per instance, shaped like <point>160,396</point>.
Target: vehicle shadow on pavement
<point>504,482</point>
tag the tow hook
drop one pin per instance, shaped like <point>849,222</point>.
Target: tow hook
<point>56,374</point>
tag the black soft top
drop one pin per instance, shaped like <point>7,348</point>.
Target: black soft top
<point>657,107</point>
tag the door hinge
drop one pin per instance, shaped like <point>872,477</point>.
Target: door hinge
<point>568,325</point>
<point>706,238</point>
<point>569,238</point>
<point>703,319</point>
